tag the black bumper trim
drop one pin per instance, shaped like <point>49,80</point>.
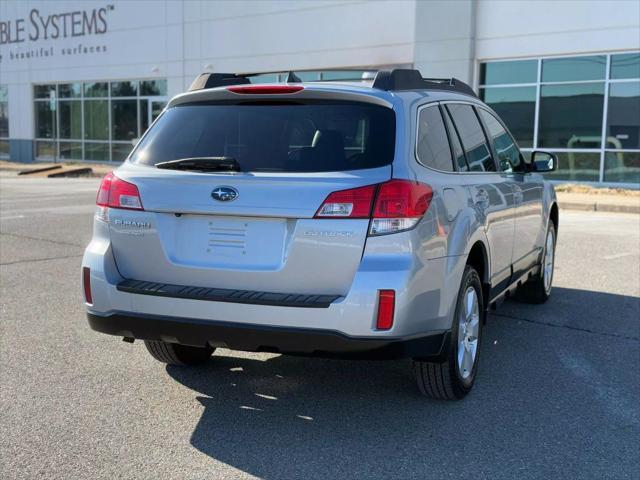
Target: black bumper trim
<point>258,338</point>
<point>141,287</point>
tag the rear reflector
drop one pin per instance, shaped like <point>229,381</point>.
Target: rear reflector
<point>86,285</point>
<point>386,309</point>
<point>265,89</point>
<point>353,203</point>
<point>116,193</point>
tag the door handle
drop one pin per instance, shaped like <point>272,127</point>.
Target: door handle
<point>517,196</point>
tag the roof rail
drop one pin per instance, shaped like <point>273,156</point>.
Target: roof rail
<point>409,79</point>
<point>389,80</point>
<point>211,80</point>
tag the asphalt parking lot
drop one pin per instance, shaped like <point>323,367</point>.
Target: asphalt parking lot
<point>556,396</point>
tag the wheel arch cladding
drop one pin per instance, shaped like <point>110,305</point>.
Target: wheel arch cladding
<point>553,216</point>
<point>479,260</point>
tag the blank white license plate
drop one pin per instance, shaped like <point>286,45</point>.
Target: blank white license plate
<point>230,242</point>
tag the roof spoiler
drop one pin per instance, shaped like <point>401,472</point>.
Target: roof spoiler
<point>212,80</point>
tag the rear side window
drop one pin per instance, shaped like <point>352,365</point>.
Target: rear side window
<point>473,139</point>
<point>275,137</point>
<point>508,154</point>
<point>433,148</point>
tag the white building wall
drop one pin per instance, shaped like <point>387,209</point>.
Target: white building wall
<point>508,29</point>
<point>445,38</point>
<point>232,36</point>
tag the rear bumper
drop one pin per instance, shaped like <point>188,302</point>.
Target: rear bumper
<point>258,338</point>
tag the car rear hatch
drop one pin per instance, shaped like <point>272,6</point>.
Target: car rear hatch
<point>253,226</point>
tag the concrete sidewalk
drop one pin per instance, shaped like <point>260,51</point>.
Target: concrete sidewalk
<point>599,202</point>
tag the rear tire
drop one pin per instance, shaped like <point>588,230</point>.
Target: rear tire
<point>454,378</point>
<point>538,289</point>
<point>175,354</point>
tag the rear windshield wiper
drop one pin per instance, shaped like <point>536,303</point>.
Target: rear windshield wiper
<point>203,164</point>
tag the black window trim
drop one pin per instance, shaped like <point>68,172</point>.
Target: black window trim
<point>447,113</point>
<point>483,127</point>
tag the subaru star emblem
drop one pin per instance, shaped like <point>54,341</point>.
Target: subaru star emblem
<point>224,194</point>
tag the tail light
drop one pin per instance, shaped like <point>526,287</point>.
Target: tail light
<point>86,285</point>
<point>116,193</point>
<point>353,203</point>
<point>386,309</point>
<point>399,205</point>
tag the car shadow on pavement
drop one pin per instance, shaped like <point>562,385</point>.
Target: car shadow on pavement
<point>295,417</point>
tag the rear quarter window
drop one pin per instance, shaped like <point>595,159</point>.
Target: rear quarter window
<point>433,149</point>
<point>277,137</point>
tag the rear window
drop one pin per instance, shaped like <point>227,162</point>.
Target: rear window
<point>274,137</point>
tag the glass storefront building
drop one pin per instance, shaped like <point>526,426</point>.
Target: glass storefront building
<point>95,121</point>
<point>584,108</point>
<point>81,80</point>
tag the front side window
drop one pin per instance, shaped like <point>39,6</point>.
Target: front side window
<point>473,139</point>
<point>275,137</point>
<point>509,158</point>
<point>433,145</point>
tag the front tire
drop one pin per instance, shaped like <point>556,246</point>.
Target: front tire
<point>538,289</point>
<point>176,354</point>
<point>454,378</point>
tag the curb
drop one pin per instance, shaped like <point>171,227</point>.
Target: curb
<point>600,207</point>
<point>39,170</point>
<point>73,172</point>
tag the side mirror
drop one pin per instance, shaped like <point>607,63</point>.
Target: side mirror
<point>543,161</point>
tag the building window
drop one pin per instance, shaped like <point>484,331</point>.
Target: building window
<point>571,115</point>
<point>4,121</point>
<point>517,108</point>
<point>96,121</point>
<point>584,108</point>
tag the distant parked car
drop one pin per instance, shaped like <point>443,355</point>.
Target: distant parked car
<point>373,218</point>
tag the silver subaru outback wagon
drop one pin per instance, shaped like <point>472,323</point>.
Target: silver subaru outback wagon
<point>356,219</point>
